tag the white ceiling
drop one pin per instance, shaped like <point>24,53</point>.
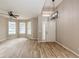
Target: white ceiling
<point>25,8</point>
<point>48,3</point>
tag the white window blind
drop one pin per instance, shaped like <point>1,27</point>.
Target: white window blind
<point>12,27</point>
<point>22,27</point>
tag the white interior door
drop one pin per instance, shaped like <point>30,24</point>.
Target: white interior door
<point>44,31</point>
<point>51,31</point>
<point>48,31</point>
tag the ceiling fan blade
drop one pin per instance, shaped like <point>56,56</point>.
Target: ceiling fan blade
<point>16,15</point>
<point>9,13</point>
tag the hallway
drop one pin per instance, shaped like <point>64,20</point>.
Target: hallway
<point>22,47</point>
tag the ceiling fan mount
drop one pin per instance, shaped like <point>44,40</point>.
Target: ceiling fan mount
<point>53,0</point>
<point>10,13</point>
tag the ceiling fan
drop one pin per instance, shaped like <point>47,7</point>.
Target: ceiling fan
<point>10,14</point>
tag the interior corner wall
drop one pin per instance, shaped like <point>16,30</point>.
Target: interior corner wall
<point>3,28</point>
<point>68,24</point>
<point>34,26</point>
<point>39,28</point>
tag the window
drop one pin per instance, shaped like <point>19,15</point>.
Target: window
<point>12,27</point>
<point>22,27</point>
<point>29,28</point>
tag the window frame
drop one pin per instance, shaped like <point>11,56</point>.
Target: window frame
<point>10,28</point>
<point>24,28</point>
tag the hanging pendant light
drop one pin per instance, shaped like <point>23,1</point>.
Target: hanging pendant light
<point>53,5</point>
<point>51,13</point>
<point>54,15</point>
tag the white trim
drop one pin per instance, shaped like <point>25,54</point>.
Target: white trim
<point>67,48</point>
<point>33,38</point>
<point>46,41</point>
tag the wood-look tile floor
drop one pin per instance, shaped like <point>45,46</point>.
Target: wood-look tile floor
<point>23,48</point>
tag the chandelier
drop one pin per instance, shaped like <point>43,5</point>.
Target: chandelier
<point>51,14</point>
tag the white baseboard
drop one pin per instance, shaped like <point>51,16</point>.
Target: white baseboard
<point>67,48</point>
<point>34,38</point>
<point>3,40</point>
<point>46,40</point>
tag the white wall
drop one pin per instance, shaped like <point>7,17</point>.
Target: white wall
<point>40,28</point>
<point>68,24</point>
<point>34,30</point>
<point>3,28</point>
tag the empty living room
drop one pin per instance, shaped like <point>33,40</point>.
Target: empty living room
<point>39,29</point>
